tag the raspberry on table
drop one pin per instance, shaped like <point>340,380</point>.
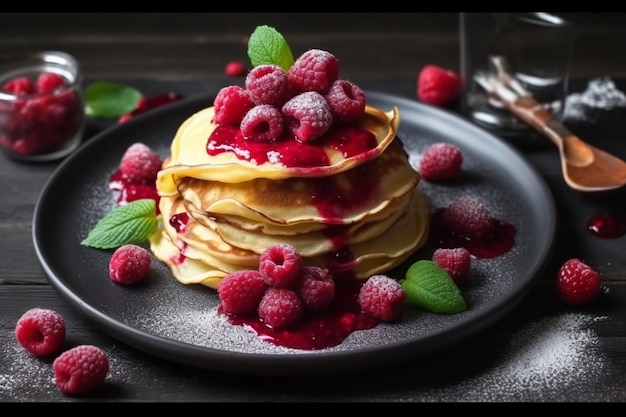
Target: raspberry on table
<point>280,266</point>
<point>263,123</point>
<point>235,69</point>
<point>315,70</point>
<point>48,82</point>
<point>140,163</point>
<point>268,84</point>
<point>577,283</point>
<point>129,264</point>
<point>240,292</point>
<point>455,261</point>
<point>346,101</point>
<point>316,289</point>
<point>307,116</point>
<point>280,308</point>
<point>40,331</point>
<point>468,217</point>
<point>382,297</point>
<point>438,86</point>
<point>441,162</point>
<point>80,370</point>
<point>231,105</point>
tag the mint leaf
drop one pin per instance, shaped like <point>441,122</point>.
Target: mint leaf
<point>430,287</point>
<point>107,100</point>
<point>131,223</point>
<point>267,46</point>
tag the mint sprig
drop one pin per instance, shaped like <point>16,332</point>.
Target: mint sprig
<point>430,287</point>
<point>109,100</point>
<point>268,46</point>
<point>130,223</point>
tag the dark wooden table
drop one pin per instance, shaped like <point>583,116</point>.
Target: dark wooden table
<point>542,351</point>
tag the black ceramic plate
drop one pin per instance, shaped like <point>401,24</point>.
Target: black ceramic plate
<point>179,323</point>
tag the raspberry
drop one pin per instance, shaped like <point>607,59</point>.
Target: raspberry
<point>468,217</point>
<point>235,69</point>
<point>281,266</point>
<point>148,103</point>
<point>280,308</point>
<point>263,123</point>
<point>240,292</point>
<point>315,70</point>
<point>438,86</point>
<point>80,370</point>
<point>140,163</point>
<point>268,84</point>
<point>307,116</point>
<point>346,101</point>
<point>129,264</point>
<point>441,162</point>
<point>382,297</point>
<point>231,105</point>
<point>40,331</point>
<point>47,82</point>
<point>19,86</point>
<point>316,289</point>
<point>456,262</point>
<point>577,283</point>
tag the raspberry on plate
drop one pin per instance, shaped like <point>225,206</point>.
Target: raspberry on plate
<point>263,123</point>
<point>577,283</point>
<point>441,162</point>
<point>280,308</point>
<point>231,105</point>
<point>346,101</point>
<point>129,264</point>
<point>438,86</point>
<point>268,84</point>
<point>316,289</point>
<point>40,331</point>
<point>281,266</point>
<point>382,297</point>
<point>240,292</point>
<point>315,70</point>
<point>80,370</point>
<point>468,217</point>
<point>455,261</point>
<point>307,116</point>
<point>140,163</point>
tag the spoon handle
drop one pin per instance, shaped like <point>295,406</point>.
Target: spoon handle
<point>534,114</point>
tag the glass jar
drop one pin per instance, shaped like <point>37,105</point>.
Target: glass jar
<point>42,110</point>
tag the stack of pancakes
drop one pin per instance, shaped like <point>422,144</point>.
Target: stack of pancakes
<point>357,215</point>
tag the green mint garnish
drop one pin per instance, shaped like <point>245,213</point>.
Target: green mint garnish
<point>130,223</point>
<point>108,100</point>
<point>267,46</point>
<point>430,287</point>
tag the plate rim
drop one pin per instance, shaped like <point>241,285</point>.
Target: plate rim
<point>316,363</point>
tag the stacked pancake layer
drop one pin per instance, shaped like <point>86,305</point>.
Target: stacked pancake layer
<point>352,207</point>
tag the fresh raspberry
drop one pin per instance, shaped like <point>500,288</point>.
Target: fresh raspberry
<point>307,116</point>
<point>47,82</point>
<point>346,101</point>
<point>281,266</point>
<point>263,123</point>
<point>441,162</point>
<point>19,86</point>
<point>140,163</point>
<point>468,217</point>
<point>577,283</point>
<point>129,264</point>
<point>316,289</point>
<point>382,297</point>
<point>280,308</point>
<point>40,331</point>
<point>240,292</point>
<point>456,262</point>
<point>235,69</point>
<point>268,84</point>
<point>80,370</point>
<point>231,105</point>
<point>438,86</point>
<point>315,70</point>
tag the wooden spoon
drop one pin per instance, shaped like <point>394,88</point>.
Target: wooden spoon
<point>585,167</point>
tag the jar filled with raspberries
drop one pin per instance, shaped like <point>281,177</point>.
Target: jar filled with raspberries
<point>42,111</point>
